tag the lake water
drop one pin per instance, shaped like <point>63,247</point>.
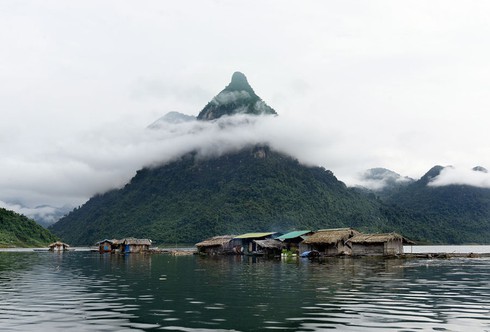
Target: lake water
<point>86,291</point>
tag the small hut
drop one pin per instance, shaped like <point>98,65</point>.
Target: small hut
<point>105,245</point>
<point>331,242</point>
<point>217,245</point>
<point>378,244</point>
<point>269,247</point>
<point>245,243</point>
<point>58,246</point>
<point>129,245</point>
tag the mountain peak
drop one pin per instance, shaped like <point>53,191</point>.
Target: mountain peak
<point>239,82</point>
<point>431,174</point>
<point>237,97</point>
<point>480,169</point>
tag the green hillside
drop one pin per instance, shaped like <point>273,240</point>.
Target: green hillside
<point>19,231</point>
<point>252,190</point>
<point>449,214</point>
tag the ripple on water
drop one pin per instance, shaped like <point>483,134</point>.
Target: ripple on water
<point>89,292</point>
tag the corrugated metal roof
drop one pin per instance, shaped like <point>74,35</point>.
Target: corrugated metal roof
<point>292,235</point>
<point>253,235</point>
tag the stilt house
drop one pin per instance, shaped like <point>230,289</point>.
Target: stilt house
<point>126,245</point>
<point>105,245</point>
<point>58,246</point>
<point>217,245</point>
<point>269,247</point>
<point>378,244</point>
<point>129,245</point>
<point>331,242</point>
<point>244,244</point>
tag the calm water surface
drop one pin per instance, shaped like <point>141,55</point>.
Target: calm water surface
<point>85,291</point>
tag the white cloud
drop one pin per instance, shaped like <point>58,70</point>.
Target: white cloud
<point>461,176</point>
<point>227,97</point>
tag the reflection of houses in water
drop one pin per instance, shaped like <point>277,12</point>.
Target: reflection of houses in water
<point>378,244</point>
<point>126,245</point>
<point>331,242</point>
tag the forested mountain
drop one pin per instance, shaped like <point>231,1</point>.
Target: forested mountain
<point>18,231</point>
<point>253,190</point>
<point>257,189</point>
<point>448,214</point>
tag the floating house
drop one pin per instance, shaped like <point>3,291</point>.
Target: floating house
<point>58,246</point>
<point>245,243</point>
<point>331,242</point>
<point>105,245</point>
<point>293,241</point>
<point>127,245</point>
<point>378,244</point>
<point>269,247</point>
<point>217,245</point>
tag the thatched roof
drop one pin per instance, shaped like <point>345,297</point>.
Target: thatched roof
<point>106,240</point>
<point>133,241</point>
<point>269,244</point>
<point>379,238</point>
<point>215,241</point>
<point>330,236</point>
<point>58,244</point>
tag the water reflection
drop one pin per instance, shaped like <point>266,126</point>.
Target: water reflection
<point>87,291</point>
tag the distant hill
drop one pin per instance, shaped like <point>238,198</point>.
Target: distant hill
<point>383,182</point>
<point>252,190</point>
<point>448,214</point>
<point>171,118</point>
<point>19,231</point>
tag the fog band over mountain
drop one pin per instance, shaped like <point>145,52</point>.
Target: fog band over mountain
<point>66,170</point>
<point>461,176</point>
<point>72,170</point>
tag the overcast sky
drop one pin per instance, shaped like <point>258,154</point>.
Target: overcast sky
<point>357,84</point>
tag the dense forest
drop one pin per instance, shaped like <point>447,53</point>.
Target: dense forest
<point>446,214</point>
<point>19,231</point>
<point>260,190</point>
<point>252,190</point>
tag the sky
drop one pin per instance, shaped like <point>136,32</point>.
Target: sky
<point>402,85</point>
